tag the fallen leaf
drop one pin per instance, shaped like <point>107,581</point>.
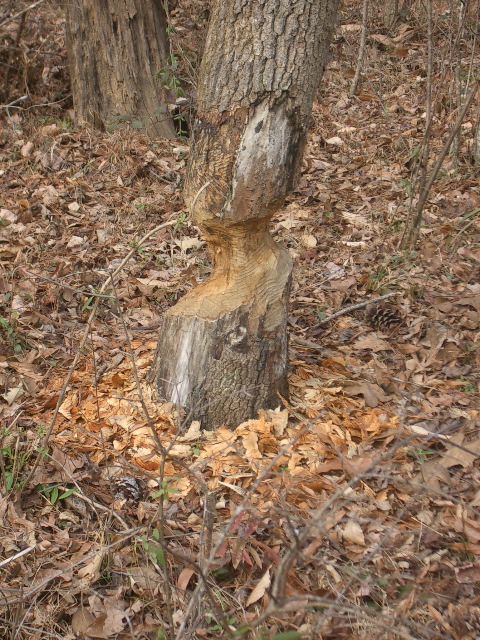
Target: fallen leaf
<point>8,217</point>
<point>260,588</point>
<point>370,341</point>
<point>184,578</point>
<point>335,140</point>
<point>193,433</point>
<point>250,442</point>
<point>372,393</point>
<point>468,575</point>
<point>308,241</point>
<point>460,454</point>
<point>90,573</point>
<point>75,241</point>
<point>353,533</point>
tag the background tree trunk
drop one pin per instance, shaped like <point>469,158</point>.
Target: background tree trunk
<point>390,13</point>
<point>222,350</point>
<point>116,49</point>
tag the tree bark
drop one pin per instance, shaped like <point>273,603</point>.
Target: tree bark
<point>390,13</point>
<point>222,349</point>
<point>116,49</point>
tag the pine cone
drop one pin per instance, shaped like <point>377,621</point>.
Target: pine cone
<point>382,317</point>
<point>130,489</point>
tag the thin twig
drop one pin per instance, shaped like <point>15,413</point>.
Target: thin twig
<point>96,505</point>
<point>438,165</point>
<point>361,51</point>
<point>457,75</point>
<point>18,555</point>
<point>161,518</point>
<point>354,307</point>
<point>20,13</point>
<point>84,341</point>
<point>43,583</point>
<point>195,598</point>
<point>12,104</point>
<point>88,294</point>
<point>197,195</point>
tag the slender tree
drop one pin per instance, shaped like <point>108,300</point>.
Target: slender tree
<point>222,349</point>
<point>117,50</point>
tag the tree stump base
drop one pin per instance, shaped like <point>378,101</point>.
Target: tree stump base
<point>219,361</point>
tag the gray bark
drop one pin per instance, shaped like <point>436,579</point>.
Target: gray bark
<point>116,50</point>
<point>222,350</point>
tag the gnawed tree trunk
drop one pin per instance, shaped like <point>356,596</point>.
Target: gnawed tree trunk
<point>116,49</point>
<point>222,350</point>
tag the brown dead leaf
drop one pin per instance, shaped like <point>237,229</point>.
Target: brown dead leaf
<point>66,464</point>
<point>82,621</point>
<point>260,588</point>
<point>353,533</point>
<point>308,241</point>
<point>184,578</point>
<point>468,575</point>
<point>91,572</point>
<point>372,393</point>
<point>459,453</point>
<point>250,442</point>
<point>468,528</point>
<point>103,619</point>
<point>52,160</point>
<point>193,433</point>
<point>433,473</point>
<point>370,341</point>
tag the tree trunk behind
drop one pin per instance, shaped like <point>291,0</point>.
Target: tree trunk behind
<point>116,49</point>
<point>222,350</point>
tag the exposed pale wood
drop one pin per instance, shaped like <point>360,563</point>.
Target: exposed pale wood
<point>222,351</point>
<point>116,50</point>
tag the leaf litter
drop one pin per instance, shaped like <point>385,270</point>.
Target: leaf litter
<point>368,474</point>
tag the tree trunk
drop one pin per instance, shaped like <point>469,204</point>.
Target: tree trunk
<point>222,349</point>
<point>390,13</point>
<point>116,50</point>
<point>476,144</point>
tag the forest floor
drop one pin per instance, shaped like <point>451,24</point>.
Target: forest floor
<point>357,500</point>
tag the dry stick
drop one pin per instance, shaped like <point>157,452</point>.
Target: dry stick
<point>84,341</point>
<point>8,10</point>
<point>164,452</point>
<point>471,64</point>
<point>428,110</point>
<point>354,307</point>
<point>476,138</point>
<point>12,104</point>
<point>18,555</point>
<point>20,13</point>
<point>240,507</point>
<point>40,586</point>
<point>296,603</point>
<point>420,165</point>
<point>424,153</point>
<point>433,176</point>
<point>11,52</point>
<point>159,516</point>
<point>36,632</point>
<point>278,588</point>
<point>458,73</point>
<point>387,533</point>
<point>88,294</point>
<point>361,51</point>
